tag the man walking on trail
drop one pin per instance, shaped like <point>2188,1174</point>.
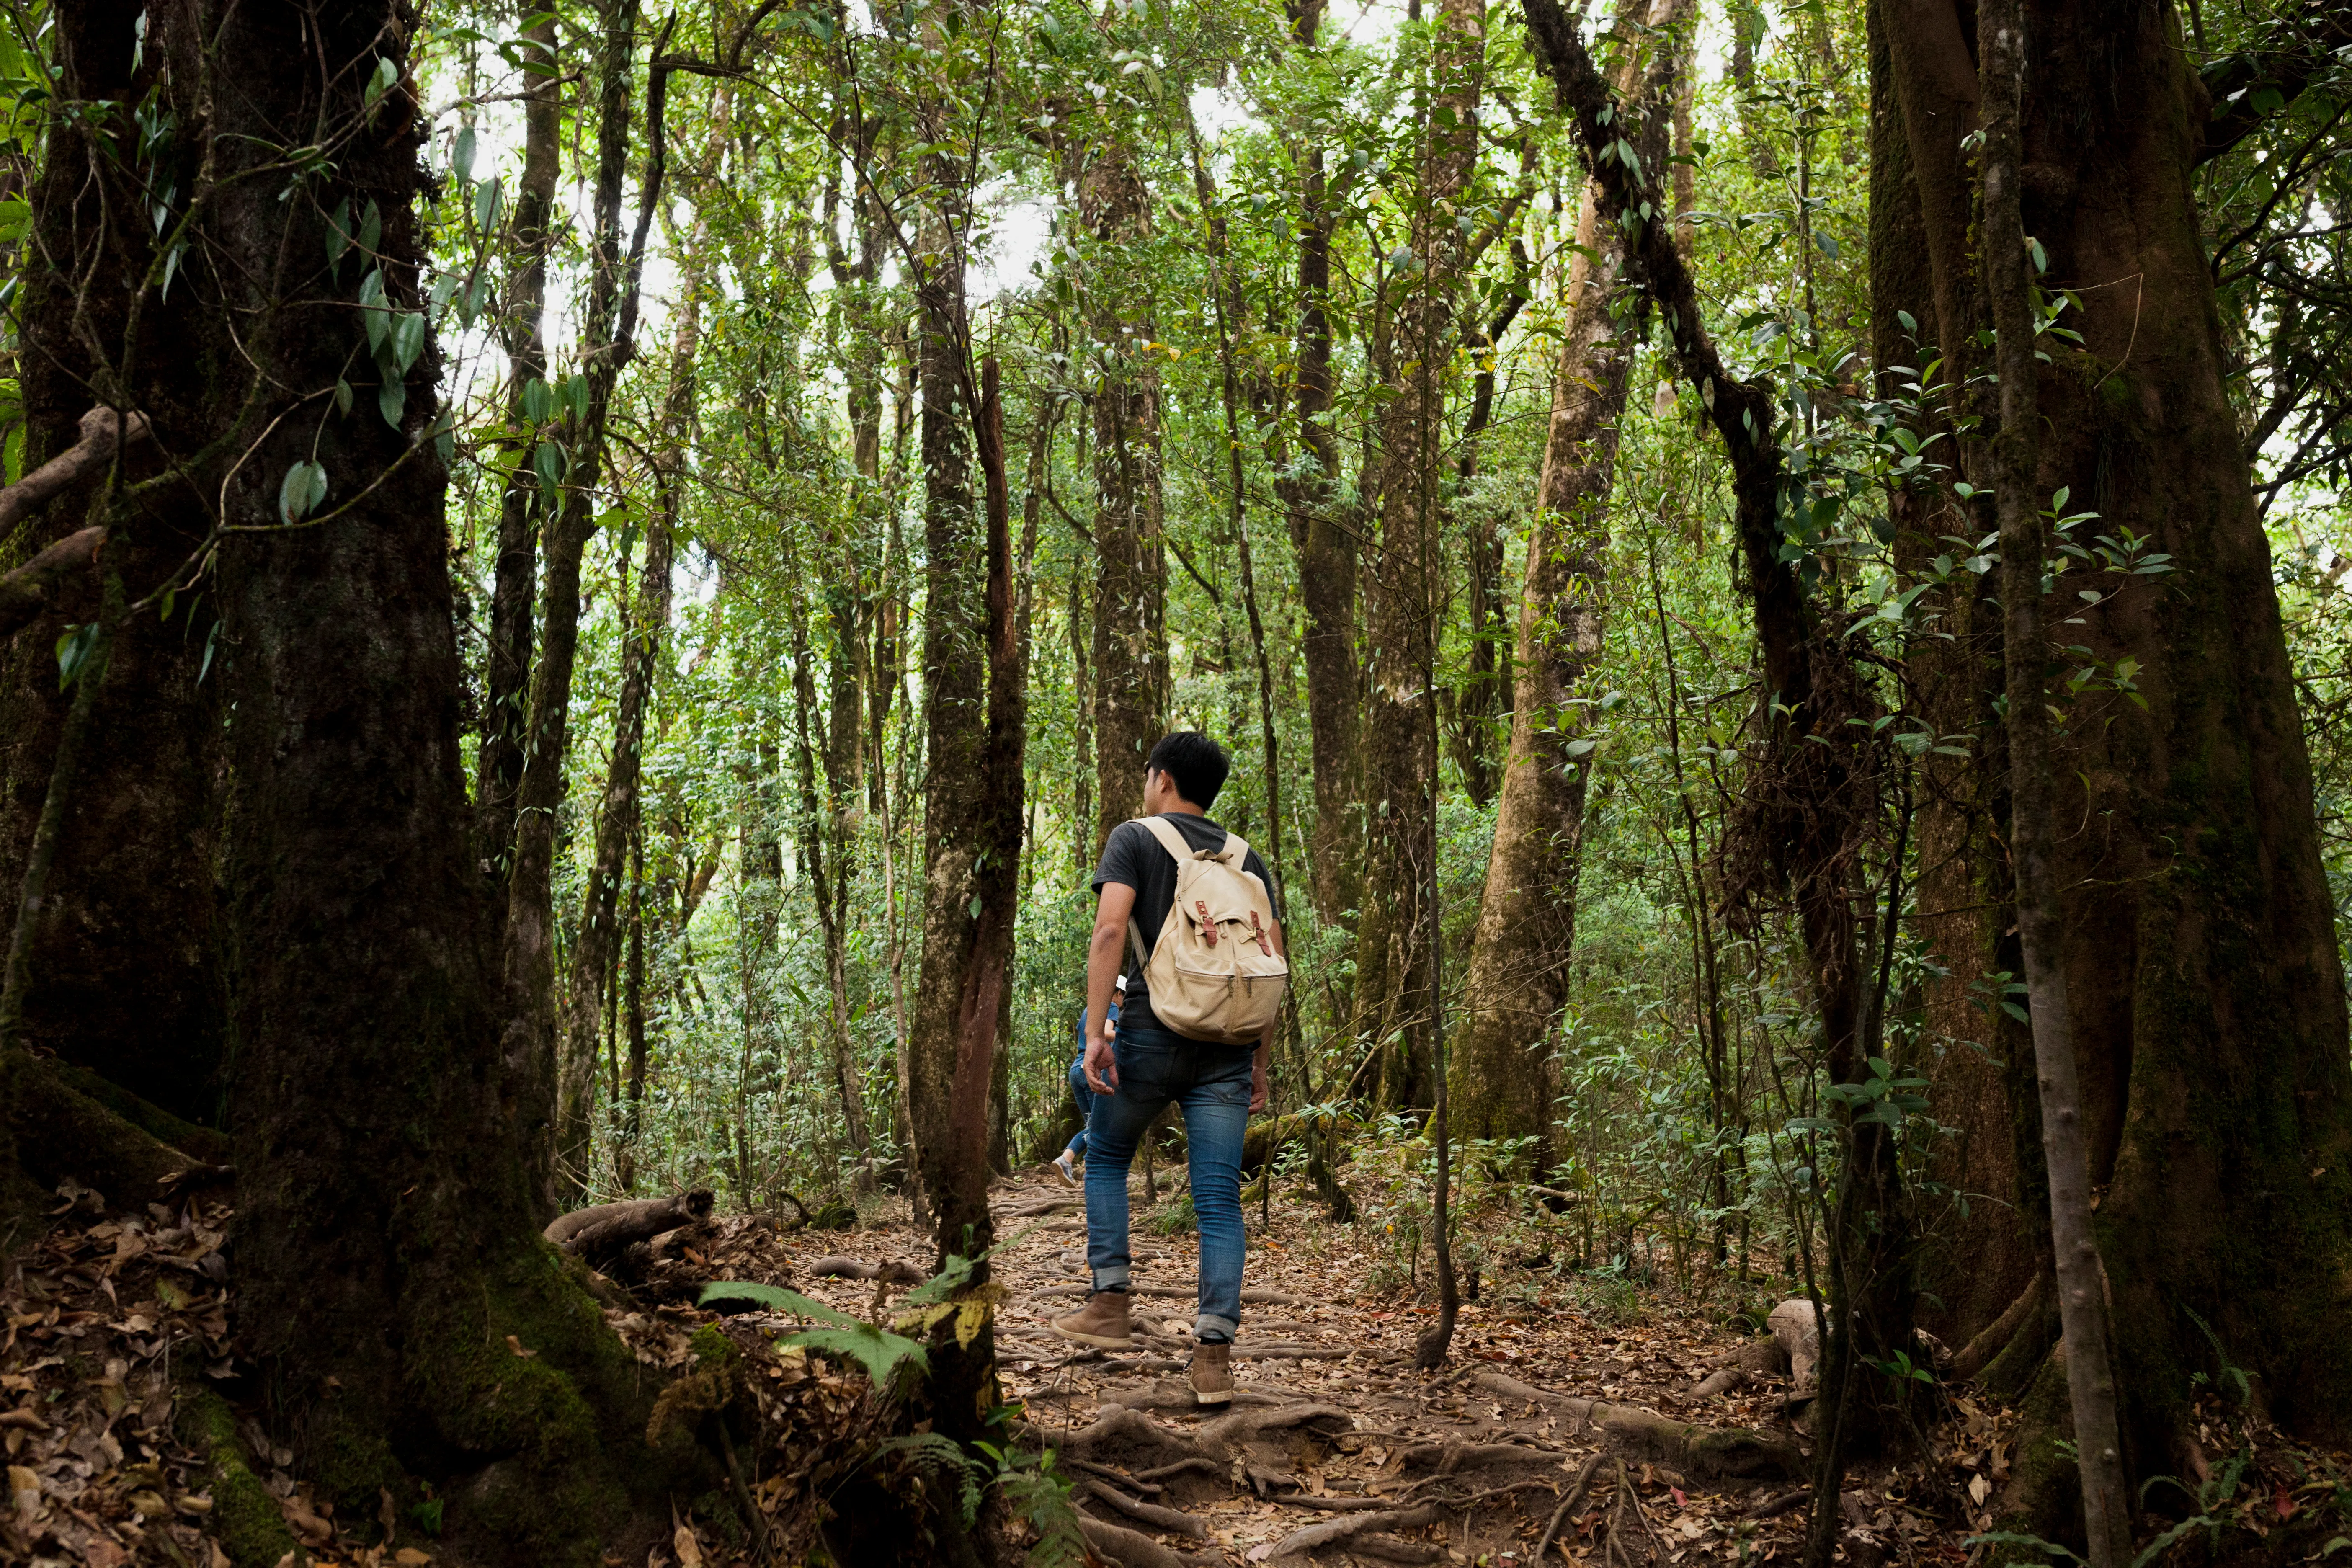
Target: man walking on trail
<point>1137,1070</point>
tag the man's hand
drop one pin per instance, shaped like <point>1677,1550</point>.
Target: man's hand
<point>1257,1084</point>
<point>1101,1062</point>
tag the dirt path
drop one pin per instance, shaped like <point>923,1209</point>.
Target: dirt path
<point>1335,1431</point>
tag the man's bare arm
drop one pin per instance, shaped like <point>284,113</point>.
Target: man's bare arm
<point>1104,958</point>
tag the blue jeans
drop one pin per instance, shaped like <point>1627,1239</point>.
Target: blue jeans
<point>1085,1099</point>
<point>1213,1085</point>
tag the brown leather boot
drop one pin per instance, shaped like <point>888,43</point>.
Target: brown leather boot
<point>1213,1374</point>
<point>1101,1322</point>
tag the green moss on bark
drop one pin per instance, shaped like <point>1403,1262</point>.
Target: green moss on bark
<point>246,1519</point>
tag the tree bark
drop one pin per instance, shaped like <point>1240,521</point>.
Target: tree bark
<point>2034,827</point>
<point>2203,989</point>
<point>506,675</point>
<point>970,866</point>
<point>1526,912</point>
<point>1325,535</point>
<point>131,891</point>
<point>596,950</point>
<point>387,1242</point>
<point>1395,959</point>
<point>533,1037</point>
<point>1131,605</point>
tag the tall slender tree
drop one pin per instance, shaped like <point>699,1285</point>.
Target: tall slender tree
<point>1395,959</point>
<point>1527,914</point>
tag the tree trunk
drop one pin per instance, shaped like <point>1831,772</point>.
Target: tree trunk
<point>595,951</point>
<point>971,850</point>
<point>387,1242</point>
<point>506,675</point>
<point>2203,982</point>
<point>1323,535</point>
<point>1130,635</point>
<point>1526,912</point>
<point>533,1033</point>
<point>135,861</point>
<point>1395,959</point>
<point>2035,830</point>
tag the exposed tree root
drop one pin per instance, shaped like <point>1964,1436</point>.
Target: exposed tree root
<point>1735,1452</point>
<point>62,1134</point>
<point>895,1272</point>
<point>1333,1532</point>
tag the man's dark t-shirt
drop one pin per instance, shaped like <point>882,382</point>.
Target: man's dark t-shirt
<point>1133,857</point>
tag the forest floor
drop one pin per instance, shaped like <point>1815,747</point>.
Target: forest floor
<point>1337,1450</point>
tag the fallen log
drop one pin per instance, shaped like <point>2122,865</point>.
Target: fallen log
<point>607,1229</point>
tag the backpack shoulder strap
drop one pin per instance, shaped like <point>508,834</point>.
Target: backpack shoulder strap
<point>1235,850</point>
<point>1170,839</point>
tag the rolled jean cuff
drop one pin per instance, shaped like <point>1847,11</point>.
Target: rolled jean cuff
<point>1111,1276</point>
<point>1209,1326</point>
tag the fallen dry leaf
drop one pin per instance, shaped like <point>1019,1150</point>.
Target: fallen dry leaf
<point>688,1550</point>
<point>516,1345</point>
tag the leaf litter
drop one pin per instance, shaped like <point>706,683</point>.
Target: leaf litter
<point>1336,1450</point>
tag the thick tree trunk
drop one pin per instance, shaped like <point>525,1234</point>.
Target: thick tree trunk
<point>2034,829</point>
<point>387,1241</point>
<point>2200,967</point>
<point>1394,962</point>
<point>136,858</point>
<point>1526,912</point>
<point>506,684</point>
<point>1131,605</point>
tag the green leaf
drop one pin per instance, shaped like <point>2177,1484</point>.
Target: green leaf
<point>300,491</point>
<point>461,162</point>
<point>371,228</point>
<point>378,82</point>
<point>338,234</point>
<point>878,1350</point>
<point>775,1298</point>
<point>392,400</point>
<point>374,310</point>
<point>408,338</point>
<point>947,1281</point>
<point>486,203</point>
<point>974,907</point>
<point>342,396</point>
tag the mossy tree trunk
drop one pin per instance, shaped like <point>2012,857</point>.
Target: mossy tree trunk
<point>1396,959</point>
<point>387,1238</point>
<point>136,858</point>
<point>1131,602</point>
<point>1323,537</point>
<point>1526,912</point>
<point>974,731</point>
<point>2200,966</point>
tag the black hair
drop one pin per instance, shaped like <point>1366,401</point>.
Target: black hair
<point>1195,763</point>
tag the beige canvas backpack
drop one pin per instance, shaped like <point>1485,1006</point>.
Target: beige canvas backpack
<point>1214,974</point>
